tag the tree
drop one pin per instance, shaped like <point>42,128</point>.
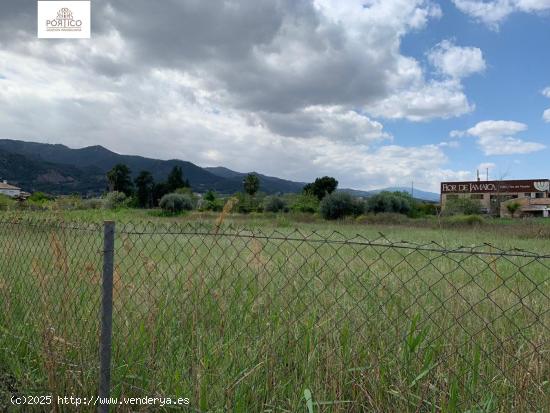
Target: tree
<point>306,202</point>
<point>175,179</point>
<point>321,187</point>
<point>159,190</point>
<point>145,185</point>
<point>339,205</point>
<point>119,179</point>
<point>251,184</point>
<point>396,202</point>
<point>275,204</point>
<point>115,199</point>
<point>513,208</point>
<point>462,206</point>
<point>211,202</point>
<point>175,203</point>
<point>210,196</point>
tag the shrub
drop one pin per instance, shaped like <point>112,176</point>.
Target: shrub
<point>463,220</point>
<point>462,206</point>
<point>396,202</point>
<point>93,203</point>
<point>305,203</point>
<point>210,202</point>
<point>247,203</point>
<point>513,208</point>
<point>39,197</point>
<point>427,208</point>
<point>175,203</point>
<point>340,204</point>
<point>115,200</point>
<point>275,204</point>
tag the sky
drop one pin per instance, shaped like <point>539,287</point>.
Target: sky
<point>376,93</point>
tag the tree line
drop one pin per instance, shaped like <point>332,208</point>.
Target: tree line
<point>321,195</point>
<point>147,192</point>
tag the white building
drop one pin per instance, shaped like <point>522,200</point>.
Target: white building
<point>9,190</point>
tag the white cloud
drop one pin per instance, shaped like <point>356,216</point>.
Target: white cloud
<point>426,101</point>
<point>271,85</point>
<point>450,144</point>
<point>495,137</point>
<point>492,13</point>
<point>497,128</point>
<point>390,165</point>
<point>546,92</point>
<point>455,61</point>
<point>457,133</point>
<point>198,127</point>
<point>335,123</point>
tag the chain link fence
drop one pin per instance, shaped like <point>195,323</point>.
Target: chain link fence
<point>275,320</point>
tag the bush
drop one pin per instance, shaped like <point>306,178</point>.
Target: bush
<point>427,208</point>
<point>340,204</point>
<point>115,200</point>
<point>462,206</point>
<point>394,202</point>
<point>210,202</point>
<point>513,207</point>
<point>275,204</point>
<point>463,221</point>
<point>247,203</point>
<point>93,203</point>
<point>305,203</point>
<point>39,197</point>
<point>175,203</point>
<point>205,205</point>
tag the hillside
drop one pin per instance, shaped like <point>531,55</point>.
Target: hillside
<point>274,184</point>
<point>58,169</point>
<point>418,193</point>
<point>38,175</point>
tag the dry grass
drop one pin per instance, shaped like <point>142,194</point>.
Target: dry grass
<point>243,323</point>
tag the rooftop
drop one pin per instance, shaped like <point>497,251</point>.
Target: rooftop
<point>5,185</point>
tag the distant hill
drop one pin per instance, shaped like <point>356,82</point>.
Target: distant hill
<point>100,160</point>
<point>35,174</point>
<point>58,169</point>
<point>274,184</point>
<point>418,194</point>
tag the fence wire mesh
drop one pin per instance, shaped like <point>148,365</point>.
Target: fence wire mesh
<point>256,320</point>
<point>50,279</point>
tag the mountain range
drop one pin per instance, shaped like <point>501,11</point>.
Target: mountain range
<point>58,169</point>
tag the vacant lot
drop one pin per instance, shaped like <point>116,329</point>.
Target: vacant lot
<point>252,319</point>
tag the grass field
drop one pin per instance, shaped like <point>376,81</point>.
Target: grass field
<point>259,319</point>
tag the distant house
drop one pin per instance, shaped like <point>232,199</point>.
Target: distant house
<point>9,190</point>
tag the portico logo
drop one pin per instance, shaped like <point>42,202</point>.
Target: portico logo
<point>64,22</point>
<point>542,186</point>
<point>64,19</point>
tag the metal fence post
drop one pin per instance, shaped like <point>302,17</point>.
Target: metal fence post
<point>105,346</point>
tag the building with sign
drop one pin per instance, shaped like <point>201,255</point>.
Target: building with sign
<point>531,194</point>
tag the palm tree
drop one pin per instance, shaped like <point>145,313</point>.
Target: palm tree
<point>251,184</point>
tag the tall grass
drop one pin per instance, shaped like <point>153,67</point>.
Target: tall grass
<point>238,321</point>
